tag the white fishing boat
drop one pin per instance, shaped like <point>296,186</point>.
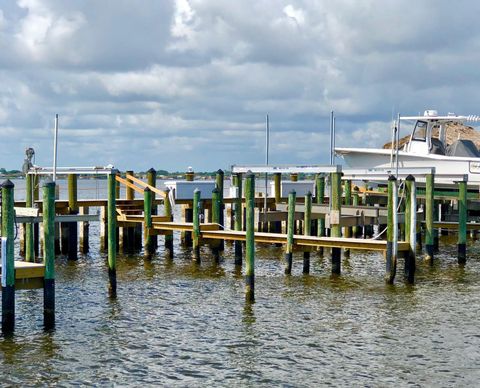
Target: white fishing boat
<point>426,147</point>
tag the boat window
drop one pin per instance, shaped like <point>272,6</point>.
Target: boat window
<point>420,131</point>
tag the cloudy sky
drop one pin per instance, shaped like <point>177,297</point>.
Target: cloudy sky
<point>172,84</point>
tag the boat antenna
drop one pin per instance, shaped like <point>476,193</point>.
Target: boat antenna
<point>267,135</point>
<point>398,144</point>
<point>394,128</point>
<point>55,136</point>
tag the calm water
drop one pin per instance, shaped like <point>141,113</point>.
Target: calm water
<point>179,324</point>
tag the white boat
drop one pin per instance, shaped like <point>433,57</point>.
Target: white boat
<point>426,147</point>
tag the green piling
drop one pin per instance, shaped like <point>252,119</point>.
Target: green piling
<point>290,231</point>
<point>112,234</point>
<point>49,254</point>
<point>335,229</point>
<point>8,267</point>
<point>307,231</point>
<point>167,211</point>
<point>152,181</point>
<point>392,231</point>
<point>147,221</point>
<point>219,183</point>
<point>250,238</point>
<point>462,222</point>
<point>238,212</point>
<point>29,238</point>
<point>277,186</point>
<point>410,227</point>
<point>429,215</point>
<point>216,211</point>
<point>356,230</point>
<point>196,226</point>
<point>72,228</point>
<point>319,199</point>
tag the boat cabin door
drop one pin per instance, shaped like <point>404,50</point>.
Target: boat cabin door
<point>420,140</point>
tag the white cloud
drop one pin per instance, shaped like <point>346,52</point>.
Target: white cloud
<point>192,80</point>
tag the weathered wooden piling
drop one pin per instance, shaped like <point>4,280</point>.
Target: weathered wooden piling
<point>462,222</point>
<point>83,233</point>
<point>335,229</point>
<point>112,234</point>
<point>277,186</point>
<point>219,184</point>
<point>29,238</point>
<point>307,230</point>
<point>429,211</point>
<point>392,231</point>
<point>196,226</point>
<point>347,202</point>
<point>8,265</point>
<point>319,198</point>
<point>216,214</point>
<point>356,230</point>
<point>290,231</point>
<point>250,238</point>
<point>186,237</point>
<point>72,228</point>
<point>49,254</point>
<point>410,227</point>
<point>238,213</point>
<point>147,222</point>
<point>152,181</point>
<point>167,211</point>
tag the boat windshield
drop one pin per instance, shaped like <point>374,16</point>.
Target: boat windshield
<point>420,131</point>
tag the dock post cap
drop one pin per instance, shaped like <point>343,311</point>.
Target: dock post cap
<point>215,190</point>
<point>392,178</point>
<point>309,193</point>
<point>197,190</point>
<point>292,192</point>
<point>410,177</point>
<point>48,182</point>
<point>8,184</point>
<point>220,171</point>
<point>250,174</point>
<point>151,170</point>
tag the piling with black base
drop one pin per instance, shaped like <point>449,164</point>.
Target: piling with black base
<point>250,238</point>
<point>307,230</point>
<point>112,234</point>
<point>335,229</point>
<point>290,230</point>
<point>392,231</point>
<point>462,222</point>
<point>196,226</point>
<point>429,204</point>
<point>49,254</point>
<point>8,266</point>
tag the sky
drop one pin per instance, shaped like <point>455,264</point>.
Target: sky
<point>180,83</point>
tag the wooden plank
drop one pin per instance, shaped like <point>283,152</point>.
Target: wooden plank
<point>26,270</point>
<point>129,184</point>
<point>143,184</point>
<point>451,225</point>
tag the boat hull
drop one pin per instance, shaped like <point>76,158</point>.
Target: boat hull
<point>381,158</point>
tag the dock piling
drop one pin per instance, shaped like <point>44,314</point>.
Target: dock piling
<point>29,239</point>
<point>335,229</point>
<point>462,222</point>
<point>250,238</point>
<point>290,232</point>
<point>49,254</point>
<point>167,211</point>
<point>307,230</point>
<point>429,214</point>
<point>196,226</point>
<point>410,227</point>
<point>147,222</point>
<point>8,277</point>
<point>216,218</point>
<point>238,211</point>
<point>72,227</point>
<point>392,231</point>
<point>112,234</point>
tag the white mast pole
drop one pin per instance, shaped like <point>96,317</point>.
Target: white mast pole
<point>55,149</point>
<point>267,140</point>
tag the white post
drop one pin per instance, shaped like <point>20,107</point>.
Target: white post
<point>55,148</point>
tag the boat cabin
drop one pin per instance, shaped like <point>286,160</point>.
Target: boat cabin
<point>429,136</point>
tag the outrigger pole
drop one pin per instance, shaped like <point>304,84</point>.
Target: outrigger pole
<point>55,149</point>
